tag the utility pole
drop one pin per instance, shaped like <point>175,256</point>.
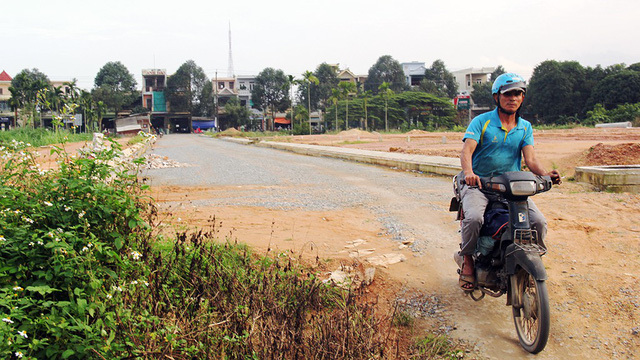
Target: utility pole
<point>216,101</point>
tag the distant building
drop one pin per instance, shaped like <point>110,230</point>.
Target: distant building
<point>414,73</point>
<point>467,77</point>
<point>245,86</point>
<point>154,81</point>
<point>7,118</point>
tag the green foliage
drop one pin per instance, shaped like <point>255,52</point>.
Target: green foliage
<point>41,137</point>
<point>439,81</point>
<point>436,347</point>
<point>388,70</point>
<point>190,90</point>
<point>66,237</point>
<point>271,91</point>
<point>622,113</point>
<point>25,88</point>
<point>115,86</point>
<point>617,89</point>
<point>237,115</point>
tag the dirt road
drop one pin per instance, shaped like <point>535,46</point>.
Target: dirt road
<point>338,211</point>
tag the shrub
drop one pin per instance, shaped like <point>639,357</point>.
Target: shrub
<point>66,238</point>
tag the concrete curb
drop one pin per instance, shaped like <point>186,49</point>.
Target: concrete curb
<point>243,141</point>
<point>438,165</point>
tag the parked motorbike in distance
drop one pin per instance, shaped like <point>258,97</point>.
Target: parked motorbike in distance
<point>509,262</point>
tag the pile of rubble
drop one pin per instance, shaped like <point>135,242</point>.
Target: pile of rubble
<point>154,161</point>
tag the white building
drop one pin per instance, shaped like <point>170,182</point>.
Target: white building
<point>414,72</point>
<point>467,77</point>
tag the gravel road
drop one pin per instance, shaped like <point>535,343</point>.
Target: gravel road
<point>410,207</point>
<point>281,180</point>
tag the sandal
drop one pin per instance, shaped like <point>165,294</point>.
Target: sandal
<point>466,282</point>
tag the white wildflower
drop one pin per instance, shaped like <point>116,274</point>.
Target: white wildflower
<point>109,296</point>
<point>31,243</point>
<point>66,208</point>
<point>2,238</point>
<point>17,288</point>
<point>85,249</point>
<point>48,203</point>
<point>40,242</point>
<point>7,320</point>
<point>90,245</point>
<point>27,219</point>
<point>136,255</point>
<point>81,215</point>
<point>23,334</point>
<point>134,282</point>
<point>19,354</point>
<point>145,283</point>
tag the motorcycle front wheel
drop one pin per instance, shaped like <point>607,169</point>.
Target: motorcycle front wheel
<point>531,311</point>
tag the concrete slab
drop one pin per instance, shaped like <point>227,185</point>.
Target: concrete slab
<point>616,178</point>
<point>438,165</point>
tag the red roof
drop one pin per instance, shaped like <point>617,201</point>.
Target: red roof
<point>4,76</point>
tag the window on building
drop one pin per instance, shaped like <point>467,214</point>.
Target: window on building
<point>231,83</point>
<point>1,91</point>
<point>478,81</point>
<point>221,85</point>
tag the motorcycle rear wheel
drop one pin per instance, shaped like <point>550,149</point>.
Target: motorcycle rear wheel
<point>531,311</point>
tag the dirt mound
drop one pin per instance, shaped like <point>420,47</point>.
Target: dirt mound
<point>621,154</point>
<point>231,132</point>
<point>354,132</point>
<point>418,132</point>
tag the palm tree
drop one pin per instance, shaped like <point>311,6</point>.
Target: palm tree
<point>334,98</point>
<point>365,97</point>
<point>385,92</point>
<point>292,81</point>
<point>347,88</point>
<point>309,78</point>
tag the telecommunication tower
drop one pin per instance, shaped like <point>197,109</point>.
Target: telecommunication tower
<point>230,69</point>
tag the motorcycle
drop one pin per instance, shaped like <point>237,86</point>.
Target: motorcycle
<point>509,262</point>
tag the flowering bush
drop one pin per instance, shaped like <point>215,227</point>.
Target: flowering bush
<point>65,239</point>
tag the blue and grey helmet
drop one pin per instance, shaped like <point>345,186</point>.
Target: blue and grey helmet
<point>507,82</point>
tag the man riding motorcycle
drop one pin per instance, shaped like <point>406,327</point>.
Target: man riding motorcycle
<point>494,143</point>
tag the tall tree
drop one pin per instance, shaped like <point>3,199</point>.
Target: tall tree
<point>388,70</point>
<point>439,81</point>
<point>385,92</point>
<point>310,80</point>
<point>24,90</point>
<point>557,89</point>
<point>270,92</point>
<point>347,89</point>
<point>617,89</point>
<point>115,86</point>
<point>189,90</point>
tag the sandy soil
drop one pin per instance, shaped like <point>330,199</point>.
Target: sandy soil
<point>594,237</point>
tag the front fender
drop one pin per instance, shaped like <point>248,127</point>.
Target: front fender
<point>528,260</point>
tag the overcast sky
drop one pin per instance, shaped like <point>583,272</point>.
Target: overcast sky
<point>74,39</point>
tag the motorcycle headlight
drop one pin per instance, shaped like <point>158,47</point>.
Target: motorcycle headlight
<point>523,188</point>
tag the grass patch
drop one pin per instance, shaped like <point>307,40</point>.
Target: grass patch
<point>436,347</point>
<point>41,137</point>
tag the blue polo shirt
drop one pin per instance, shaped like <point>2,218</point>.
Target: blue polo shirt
<point>497,151</point>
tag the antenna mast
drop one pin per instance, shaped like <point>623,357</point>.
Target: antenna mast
<point>230,69</point>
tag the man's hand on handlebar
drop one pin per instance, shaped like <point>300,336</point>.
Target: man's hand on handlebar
<point>472,179</point>
<point>555,177</point>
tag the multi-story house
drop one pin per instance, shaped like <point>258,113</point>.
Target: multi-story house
<point>414,73</point>
<point>467,77</point>
<point>7,118</point>
<point>154,81</point>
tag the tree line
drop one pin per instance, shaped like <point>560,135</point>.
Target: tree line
<point>559,93</point>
